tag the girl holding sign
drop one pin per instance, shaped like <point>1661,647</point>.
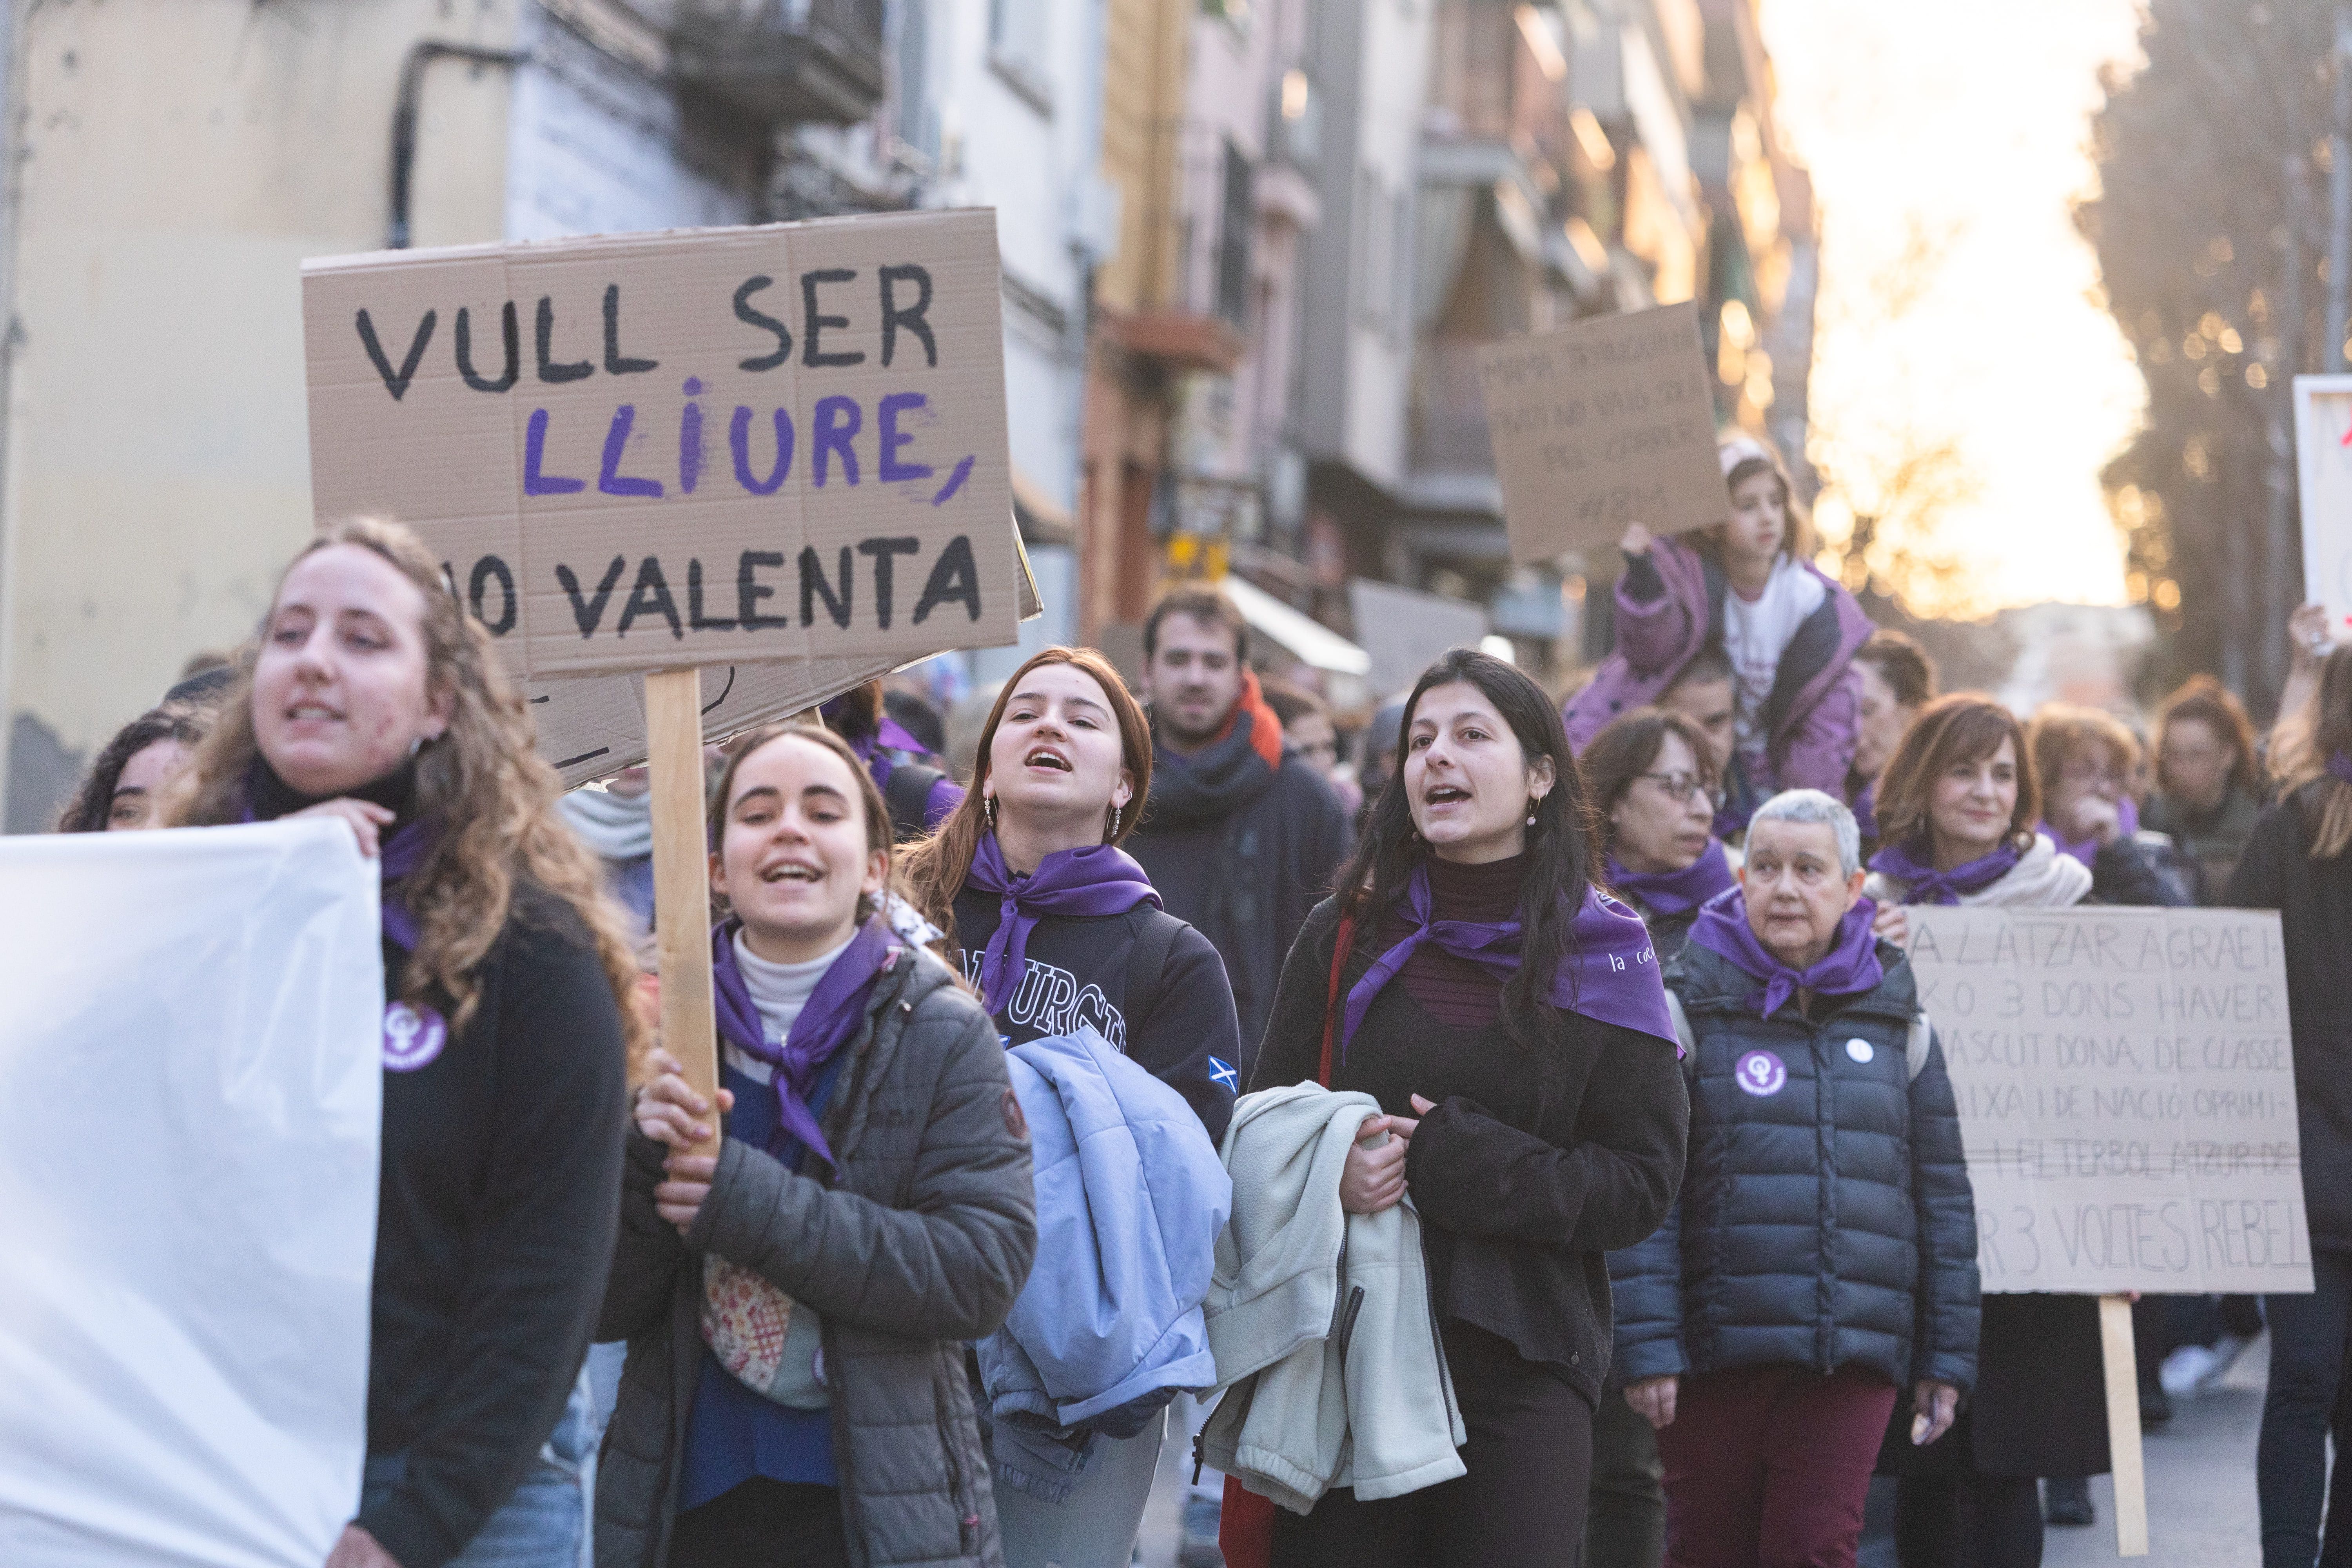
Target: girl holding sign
<point>1748,587</point>
<point>375,699</point>
<point>796,1305</point>
<point>1056,927</point>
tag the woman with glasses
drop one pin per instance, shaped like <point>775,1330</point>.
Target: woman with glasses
<point>1653,780</point>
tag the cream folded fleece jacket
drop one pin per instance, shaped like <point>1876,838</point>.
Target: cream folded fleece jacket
<point>1325,1337</point>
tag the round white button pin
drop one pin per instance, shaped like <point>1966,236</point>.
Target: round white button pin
<point>1859,1050</point>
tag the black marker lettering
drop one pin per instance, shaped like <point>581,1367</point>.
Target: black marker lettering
<point>765,322</point>
<point>883,550</point>
<point>893,318</point>
<point>487,567</point>
<point>812,322</point>
<point>587,613</point>
<point>694,616</point>
<point>465,349</point>
<point>615,363</point>
<point>750,590</point>
<point>813,583</point>
<point>397,384</point>
<point>954,577</point>
<point>650,597</point>
<point>549,370</point>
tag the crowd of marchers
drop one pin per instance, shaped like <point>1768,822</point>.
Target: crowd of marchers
<point>1523,1145</point>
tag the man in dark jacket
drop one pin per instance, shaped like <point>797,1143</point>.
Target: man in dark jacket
<point>1241,837</point>
<point>1822,1261</point>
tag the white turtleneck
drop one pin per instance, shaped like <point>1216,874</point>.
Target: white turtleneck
<point>778,992</point>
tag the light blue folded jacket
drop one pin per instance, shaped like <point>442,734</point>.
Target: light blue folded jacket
<point>1130,1199</point>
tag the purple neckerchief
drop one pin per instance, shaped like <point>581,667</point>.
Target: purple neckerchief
<point>1671,892</point>
<point>397,857</point>
<point>1609,972</point>
<point>1850,967</point>
<point>1098,880</point>
<point>2086,850</point>
<point>825,1024</point>
<point>2339,767</point>
<point>876,750</point>
<point>1923,884</point>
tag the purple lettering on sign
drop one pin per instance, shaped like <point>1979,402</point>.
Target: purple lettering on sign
<point>534,451</point>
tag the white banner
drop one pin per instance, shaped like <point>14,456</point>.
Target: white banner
<point>190,1093</point>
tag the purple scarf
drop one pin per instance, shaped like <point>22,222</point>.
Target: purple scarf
<point>1923,884</point>
<point>1673,892</point>
<point>2339,768</point>
<point>399,857</point>
<point>1609,972</point>
<point>825,1024</point>
<point>1850,967</point>
<point>1098,880</point>
<point>2086,850</point>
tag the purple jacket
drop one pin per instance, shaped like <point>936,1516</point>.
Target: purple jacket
<point>1815,707</point>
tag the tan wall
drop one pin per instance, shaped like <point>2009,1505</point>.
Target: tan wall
<point>179,159</point>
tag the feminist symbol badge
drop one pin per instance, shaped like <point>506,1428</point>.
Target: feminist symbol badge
<point>413,1036</point>
<point>1761,1073</point>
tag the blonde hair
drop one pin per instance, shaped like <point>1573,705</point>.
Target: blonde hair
<point>483,782</point>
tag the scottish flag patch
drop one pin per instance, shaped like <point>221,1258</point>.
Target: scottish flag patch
<point>1222,1072</point>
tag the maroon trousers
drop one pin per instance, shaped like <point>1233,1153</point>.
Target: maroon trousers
<point>1767,1466</point>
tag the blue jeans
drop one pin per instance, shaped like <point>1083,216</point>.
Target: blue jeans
<point>545,1523</point>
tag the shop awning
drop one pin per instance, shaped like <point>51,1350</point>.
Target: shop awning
<point>1307,639</point>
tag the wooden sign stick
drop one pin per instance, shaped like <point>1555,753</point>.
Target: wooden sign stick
<point>689,1029</point>
<point>2123,1426</point>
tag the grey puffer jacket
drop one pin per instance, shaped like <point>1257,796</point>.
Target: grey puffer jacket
<point>919,1242</point>
<point>1826,1219</point>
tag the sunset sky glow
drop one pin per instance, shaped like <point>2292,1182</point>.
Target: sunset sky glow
<point>1961,134</point>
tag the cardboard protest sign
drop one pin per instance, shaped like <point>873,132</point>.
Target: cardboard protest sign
<point>2126,1095</point>
<point>191,1055</point>
<point>2323,442</point>
<point>696,448</point>
<point>1608,422</point>
<point>1404,630</point>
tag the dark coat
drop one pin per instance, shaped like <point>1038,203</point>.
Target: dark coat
<point>1825,1225</point>
<point>2314,899</point>
<point>1534,1165</point>
<point>1241,852</point>
<point>919,1242</point>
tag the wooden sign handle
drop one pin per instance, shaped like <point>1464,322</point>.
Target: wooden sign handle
<point>689,1027</point>
<point>2123,1426</point>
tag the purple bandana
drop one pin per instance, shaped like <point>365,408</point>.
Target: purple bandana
<point>1098,880</point>
<point>1673,892</point>
<point>1609,972</point>
<point>825,1024</point>
<point>2086,850</point>
<point>1850,967</point>
<point>1923,884</point>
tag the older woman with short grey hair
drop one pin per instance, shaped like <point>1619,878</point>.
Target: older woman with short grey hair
<point>1821,1262</point>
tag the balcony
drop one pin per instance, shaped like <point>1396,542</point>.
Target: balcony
<point>782,61</point>
<point>1198,310</point>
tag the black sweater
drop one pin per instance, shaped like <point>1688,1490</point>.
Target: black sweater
<point>2314,899</point>
<point>1178,1024</point>
<point>496,1207</point>
<point>1534,1164</point>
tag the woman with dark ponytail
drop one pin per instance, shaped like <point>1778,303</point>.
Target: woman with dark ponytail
<point>1509,1018</point>
<point>2296,862</point>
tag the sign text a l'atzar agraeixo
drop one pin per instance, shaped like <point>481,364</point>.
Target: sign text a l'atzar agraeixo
<point>697,448</point>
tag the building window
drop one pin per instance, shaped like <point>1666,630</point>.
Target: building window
<point>916,124</point>
<point>1017,35</point>
<point>1233,228</point>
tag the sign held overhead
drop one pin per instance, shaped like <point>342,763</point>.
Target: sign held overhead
<point>1608,422</point>
<point>661,451</point>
